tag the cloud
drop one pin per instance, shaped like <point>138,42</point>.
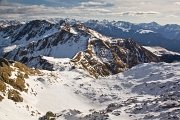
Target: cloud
<point>98,10</point>
<point>31,12</point>
<point>146,13</point>
<point>3,2</point>
<point>131,13</point>
<point>42,11</point>
<point>145,3</point>
<point>138,13</point>
<point>92,4</point>
<point>177,3</point>
<point>170,16</point>
<point>128,8</point>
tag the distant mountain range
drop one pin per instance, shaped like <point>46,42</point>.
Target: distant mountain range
<point>149,34</point>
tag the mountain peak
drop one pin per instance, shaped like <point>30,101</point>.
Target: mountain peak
<point>154,23</point>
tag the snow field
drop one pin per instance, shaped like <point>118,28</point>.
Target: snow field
<point>146,91</point>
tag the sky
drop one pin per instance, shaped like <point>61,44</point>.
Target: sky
<point>135,11</point>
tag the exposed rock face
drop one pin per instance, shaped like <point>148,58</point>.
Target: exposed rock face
<point>2,60</point>
<point>16,83</point>
<point>169,58</point>
<point>103,58</point>
<point>49,116</point>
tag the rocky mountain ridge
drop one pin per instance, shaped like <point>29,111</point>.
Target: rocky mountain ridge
<point>89,50</point>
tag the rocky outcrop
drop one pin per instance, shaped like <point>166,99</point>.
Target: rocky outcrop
<point>103,58</point>
<point>17,82</point>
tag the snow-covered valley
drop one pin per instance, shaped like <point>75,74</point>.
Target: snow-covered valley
<point>146,91</point>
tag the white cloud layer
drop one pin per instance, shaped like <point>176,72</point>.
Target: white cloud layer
<point>138,13</point>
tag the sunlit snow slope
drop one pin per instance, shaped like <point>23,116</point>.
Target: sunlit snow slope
<point>146,91</point>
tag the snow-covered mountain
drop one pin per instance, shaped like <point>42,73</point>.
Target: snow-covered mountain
<point>149,34</point>
<point>6,23</point>
<point>170,31</point>
<point>146,91</point>
<point>78,73</point>
<point>98,54</point>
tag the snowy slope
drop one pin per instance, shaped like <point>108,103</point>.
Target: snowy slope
<point>43,38</point>
<point>146,91</point>
<point>19,34</point>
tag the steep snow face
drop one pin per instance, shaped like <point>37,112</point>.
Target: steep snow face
<point>63,42</point>
<point>25,33</point>
<point>17,32</point>
<point>146,91</point>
